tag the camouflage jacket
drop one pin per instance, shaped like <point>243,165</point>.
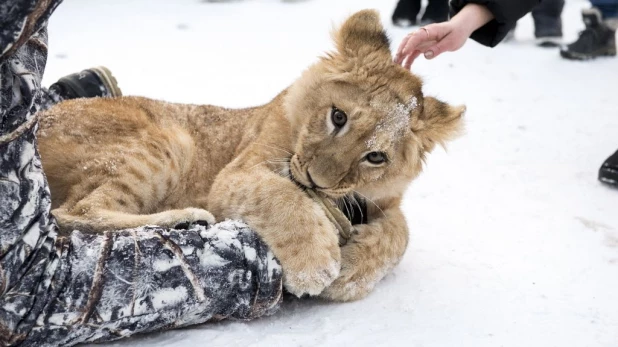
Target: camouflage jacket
<point>63,290</point>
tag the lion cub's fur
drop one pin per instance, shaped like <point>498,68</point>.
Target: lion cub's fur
<point>126,162</point>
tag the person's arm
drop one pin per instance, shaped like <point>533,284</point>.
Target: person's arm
<point>505,14</point>
<point>486,21</point>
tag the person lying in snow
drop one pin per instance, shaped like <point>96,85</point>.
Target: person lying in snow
<point>489,21</point>
<point>63,290</point>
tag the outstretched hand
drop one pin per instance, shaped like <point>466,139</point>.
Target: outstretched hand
<point>431,41</point>
<point>435,39</point>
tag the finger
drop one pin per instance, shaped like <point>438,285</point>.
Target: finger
<point>448,44</point>
<point>425,45</point>
<point>423,38</point>
<point>414,40</point>
<point>399,56</point>
<point>410,59</point>
<point>435,51</point>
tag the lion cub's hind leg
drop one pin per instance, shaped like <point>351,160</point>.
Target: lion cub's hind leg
<point>131,193</point>
<point>116,205</point>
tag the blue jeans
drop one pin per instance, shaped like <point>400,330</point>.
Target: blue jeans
<point>608,8</point>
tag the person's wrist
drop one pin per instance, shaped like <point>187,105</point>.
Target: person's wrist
<point>471,18</point>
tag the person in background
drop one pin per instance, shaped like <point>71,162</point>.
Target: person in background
<point>599,37</point>
<point>548,22</point>
<point>407,11</point>
<point>489,21</point>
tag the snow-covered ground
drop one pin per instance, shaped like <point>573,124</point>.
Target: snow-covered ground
<point>513,240</point>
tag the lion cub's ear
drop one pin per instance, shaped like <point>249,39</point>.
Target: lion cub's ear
<point>438,123</point>
<point>361,34</point>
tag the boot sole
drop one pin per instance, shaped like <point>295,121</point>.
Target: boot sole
<point>609,176</point>
<point>108,79</point>
<point>582,56</point>
<point>548,42</point>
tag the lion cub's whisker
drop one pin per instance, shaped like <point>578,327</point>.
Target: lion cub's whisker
<point>366,198</point>
<point>274,147</point>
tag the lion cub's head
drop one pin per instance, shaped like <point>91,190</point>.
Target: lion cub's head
<point>361,122</point>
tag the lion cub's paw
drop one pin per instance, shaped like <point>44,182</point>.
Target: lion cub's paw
<point>350,286</point>
<point>309,269</point>
<point>311,280</point>
<point>182,219</point>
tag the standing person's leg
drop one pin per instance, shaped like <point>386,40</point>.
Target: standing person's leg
<point>548,22</point>
<point>406,12</point>
<point>608,8</point>
<point>599,37</point>
<point>436,12</point>
<point>601,24</point>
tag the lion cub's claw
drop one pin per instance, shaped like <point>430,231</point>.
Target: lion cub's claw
<point>183,219</point>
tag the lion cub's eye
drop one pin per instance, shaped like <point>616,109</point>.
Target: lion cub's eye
<point>376,157</point>
<point>338,117</point>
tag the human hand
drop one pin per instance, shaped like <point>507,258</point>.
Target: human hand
<point>431,40</point>
<point>434,39</point>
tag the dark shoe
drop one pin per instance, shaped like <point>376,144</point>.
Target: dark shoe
<point>596,40</point>
<point>436,12</point>
<point>549,41</point>
<point>406,12</point>
<point>93,82</point>
<point>548,31</point>
<point>608,173</point>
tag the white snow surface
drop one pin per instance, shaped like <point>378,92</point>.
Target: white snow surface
<point>513,241</point>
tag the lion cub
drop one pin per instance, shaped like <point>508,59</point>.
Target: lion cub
<point>353,123</point>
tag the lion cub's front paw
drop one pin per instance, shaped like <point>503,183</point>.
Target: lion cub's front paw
<point>309,268</point>
<point>311,279</point>
<point>181,219</point>
<point>350,286</point>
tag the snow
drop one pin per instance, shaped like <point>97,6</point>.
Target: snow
<point>514,242</point>
<point>168,297</point>
<point>394,123</point>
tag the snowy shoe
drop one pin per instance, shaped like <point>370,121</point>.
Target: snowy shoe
<point>608,173</point>
<point>406,12</point>
<point>93,82</point>
<point>597,40</point>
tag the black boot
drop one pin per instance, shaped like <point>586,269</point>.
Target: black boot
<point>596,40</point>
<point>548,22</point>
<point>436,12</point>
<point>608,173</point>
<point>406,12</point>
<point>93,82</point>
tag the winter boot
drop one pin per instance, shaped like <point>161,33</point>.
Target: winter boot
<point>406,12</point>
<point>93,82</point>
<point>608,173</point>
<point>597,40</point>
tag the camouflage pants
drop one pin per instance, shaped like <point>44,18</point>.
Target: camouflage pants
<point>63,290</point>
